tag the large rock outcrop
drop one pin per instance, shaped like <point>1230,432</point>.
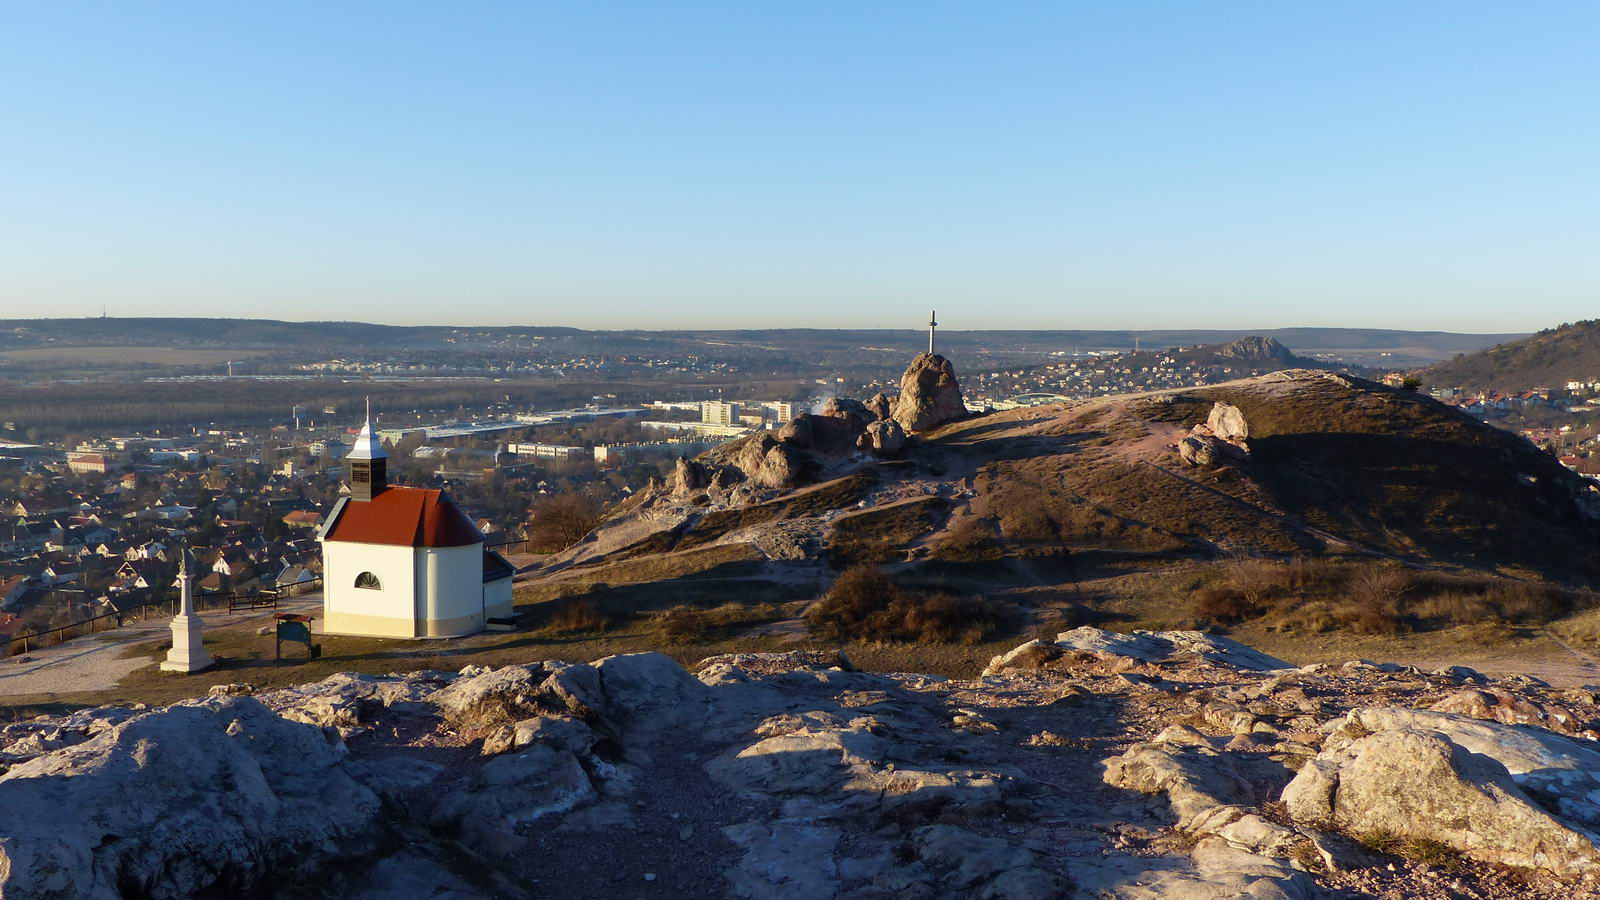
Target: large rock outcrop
<point>217,793</point>
<point>929,394</point>
<point>1421,785</point>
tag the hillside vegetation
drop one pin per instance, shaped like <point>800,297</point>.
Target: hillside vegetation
<point>1550,358</point>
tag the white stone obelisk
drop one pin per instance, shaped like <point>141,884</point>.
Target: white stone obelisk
<point>188,653</point>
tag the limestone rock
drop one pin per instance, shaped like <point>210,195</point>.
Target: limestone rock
<point>559,732</point>
<point>884,437</point>
<point>1197,780</point>
<point>770,464</point>
<point>635,683</point>
<point>798,430</point>
<point>1032,655</point>
<point>1508,708</point>
<point>1155,646</point>
<point>502,695</point>
<point>929,394</point>
<point>1562,772</point>
<point>1423,785</point>
<point>1227,422</point>
<point>688,478</point>
<point>1199,452</point>
<point>513,791</point>
<point>204,796</point>
<point>783,860</point>
<point>852,411</point>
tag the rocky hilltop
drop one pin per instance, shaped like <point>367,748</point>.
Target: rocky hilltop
<point>1256,349</point>
<point>1299,462</point>
<point>1146,765</point>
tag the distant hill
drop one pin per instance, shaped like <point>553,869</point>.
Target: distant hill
<point>1550,358</point>
<point>1255,351</point>
<point>270,334</point>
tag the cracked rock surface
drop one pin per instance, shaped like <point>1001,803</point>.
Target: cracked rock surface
<point>1157,765</point>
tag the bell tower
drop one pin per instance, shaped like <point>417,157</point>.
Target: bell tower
<point>369,463</point>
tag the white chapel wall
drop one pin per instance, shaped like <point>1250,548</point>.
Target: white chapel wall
<point>347,609</point>
<point>451,583</point>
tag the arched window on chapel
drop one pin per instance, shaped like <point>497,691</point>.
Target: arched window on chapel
<point>369,581</point>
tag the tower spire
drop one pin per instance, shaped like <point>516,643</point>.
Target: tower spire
<point>368,461</point>
<point>932,324</point>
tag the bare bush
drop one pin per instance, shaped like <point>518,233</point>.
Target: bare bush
<point>864,604</point>
<point>1374,601</point>
<point>558,521</point>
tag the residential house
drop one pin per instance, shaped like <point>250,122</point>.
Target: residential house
<point>12,589</point>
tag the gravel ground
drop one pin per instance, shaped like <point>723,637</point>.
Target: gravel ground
<point>96,662</point>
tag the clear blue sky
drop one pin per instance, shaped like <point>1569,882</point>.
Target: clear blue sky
<point>1062,164</point>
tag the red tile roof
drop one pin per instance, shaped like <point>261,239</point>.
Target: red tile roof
<point>408,517</point>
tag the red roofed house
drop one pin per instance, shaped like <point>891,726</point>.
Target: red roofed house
<point>405,562</point>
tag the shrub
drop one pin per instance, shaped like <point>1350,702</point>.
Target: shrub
<point>864,604</point>
<point>683,624</point>
<point>1222,605</point>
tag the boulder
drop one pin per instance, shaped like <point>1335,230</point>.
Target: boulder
<point>688,478</point>
<point>1202,449</point>
<point>1227,422</point>
<point>1199,451</point>
<point>1158,646</point>
<point>1420,784</point>
<point>781,467</point>
<point>798,430</point>
<point>884,437</point>
<point>770,464</point>
<point>852,411</point>
<point>636,683</point>
<point>1563,773</point>
<point>209,796</point>
<point>1032,655</point>
<point>881,405</point>
<point>929,394</point>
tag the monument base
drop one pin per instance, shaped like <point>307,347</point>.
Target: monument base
<point>188,653</point>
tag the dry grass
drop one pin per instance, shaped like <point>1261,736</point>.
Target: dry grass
<point>725,558</point>
<point>1372,598</point>
<point>576,615</point>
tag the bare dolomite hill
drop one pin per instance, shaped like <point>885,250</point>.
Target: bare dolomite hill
<point>1095,765</point>
<point>1298,463</point>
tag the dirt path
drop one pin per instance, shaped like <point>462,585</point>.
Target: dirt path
<point>97,662</point>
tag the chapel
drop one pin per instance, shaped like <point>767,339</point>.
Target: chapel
<point>406,562</point>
